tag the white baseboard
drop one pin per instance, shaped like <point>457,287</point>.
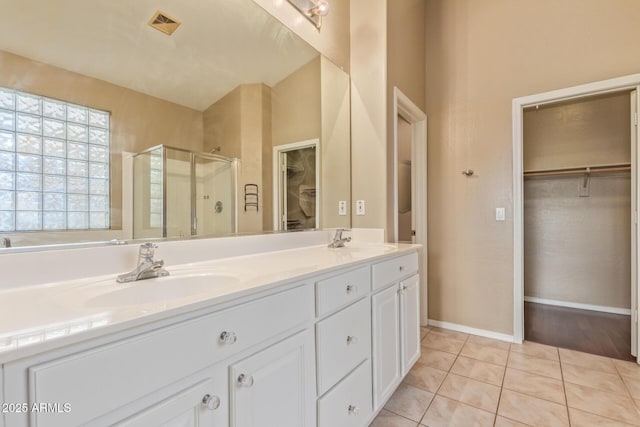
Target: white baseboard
<point>471,331</point>
<point>602,308</point>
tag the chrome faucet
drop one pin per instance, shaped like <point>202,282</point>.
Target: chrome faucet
<point>147,268</point>
<point>338,240</point>
<point>6,243</point>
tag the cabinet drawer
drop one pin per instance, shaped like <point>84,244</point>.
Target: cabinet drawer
<point>101,380</point>
<point>341,290</point>
<point>349,403</point>
<point>343,341</point>
<point>390,271</point>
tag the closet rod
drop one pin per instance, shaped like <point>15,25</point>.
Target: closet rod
<point>580,171</point>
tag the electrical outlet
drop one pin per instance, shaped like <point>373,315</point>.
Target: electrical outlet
<point>499,214</point>
<point>360,209</point>
<point>342,207</point>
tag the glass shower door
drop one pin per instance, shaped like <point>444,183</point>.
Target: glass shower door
<point>215,196</point>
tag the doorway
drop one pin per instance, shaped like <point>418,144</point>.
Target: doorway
<point>409,184</point>
<point>296,195</point>
<point>575,209</point>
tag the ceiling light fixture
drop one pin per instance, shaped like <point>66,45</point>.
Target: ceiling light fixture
<point>313,10</point>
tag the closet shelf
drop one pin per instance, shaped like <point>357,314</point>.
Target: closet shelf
<point>622,167</point>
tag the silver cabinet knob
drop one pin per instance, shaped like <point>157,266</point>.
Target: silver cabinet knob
<point>403,288</point>
<point>351,289</point>
<point>245,380</point>
<point>353,409</point>
<point>351,339</point>
<point>401,268</point>
<point>211,402</point>
<point>228,337</point>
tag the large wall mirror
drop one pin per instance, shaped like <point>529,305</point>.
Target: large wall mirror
<point>111,128</point>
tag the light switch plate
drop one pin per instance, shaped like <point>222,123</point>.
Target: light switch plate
<point>342,207</point>
<point>500,216</point>
<point>360,209</point>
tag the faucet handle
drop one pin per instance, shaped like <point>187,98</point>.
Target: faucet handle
<point>147,251</point>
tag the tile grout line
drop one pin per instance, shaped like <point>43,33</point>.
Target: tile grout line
<point>435,394</point>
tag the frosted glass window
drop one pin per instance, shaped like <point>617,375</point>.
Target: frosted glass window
<point>77,185</point>
<point>77,132</point>
<point>28,201</point>
<point>29,124</point>
<point>55,109</point>
<point>97,154</point>
<point>54,164</point>
<point>29,103</point>
<point>77,220</point>
<point>7,141</point>
<point>7,161</point>
<point>54,202</point>
<point>98,186</point>
<point>29,163</point>
<point>55,183</point>
<point>29,221</point>
<point>54,128</point>
<point>77,202</point>
<point>6,180</point>
<point>7,221</point>
<point>54,147</point>
<point>77,168</point>
<point>55,221</point>
<point>77,151</point>
<point>28,181</point>
<point>7,200</point>
<point>77,114</point>
<point>7,99</point>
<point>29,143</point>
<point>7,120</point>
<point>98,136</point>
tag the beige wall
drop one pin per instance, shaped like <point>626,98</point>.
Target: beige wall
<point>295,105</point>
<point>335,145</point>
<point>588,132</point>
<point>369,111</point>
<point>406,70</point>
<point>236,123</point>
<point>222,124</point>
<point>267,161</point>
<point>578,249</point>
<point>332,40</point>
<point>481,55</point>
<point>138,121</point>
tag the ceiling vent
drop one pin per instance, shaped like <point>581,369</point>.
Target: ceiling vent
<point>164,23</point>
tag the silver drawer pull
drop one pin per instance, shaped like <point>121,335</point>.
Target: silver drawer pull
<point>351,339</point>
<point>228,337</point>
<point>245,380</point>
<point>353,409</point>
<point>211,402</point>
<point>351,289</point>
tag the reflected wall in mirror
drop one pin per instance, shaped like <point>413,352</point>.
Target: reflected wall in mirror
<point>80,100</point>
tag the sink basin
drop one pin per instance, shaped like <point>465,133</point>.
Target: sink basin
<point>162,289</point>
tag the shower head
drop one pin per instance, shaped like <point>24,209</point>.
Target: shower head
<point>214,150</point>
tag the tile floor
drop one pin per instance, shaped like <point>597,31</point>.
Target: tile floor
<point>464,380</point>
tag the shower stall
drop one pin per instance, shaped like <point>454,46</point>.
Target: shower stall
<point>180,193</point>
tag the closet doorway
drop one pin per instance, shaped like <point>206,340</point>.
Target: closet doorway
<point>575,229</point>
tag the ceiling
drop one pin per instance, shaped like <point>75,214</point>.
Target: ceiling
<point>220,44</point>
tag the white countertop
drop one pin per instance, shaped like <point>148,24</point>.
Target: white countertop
<point>39,318</point>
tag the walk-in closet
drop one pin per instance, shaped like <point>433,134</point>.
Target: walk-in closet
<point>578,223</point>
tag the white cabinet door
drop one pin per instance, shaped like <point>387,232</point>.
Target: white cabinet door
<point>386,344</point>
<point>276,387</point>
<point>193,407</point>
<point>410,322</point>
